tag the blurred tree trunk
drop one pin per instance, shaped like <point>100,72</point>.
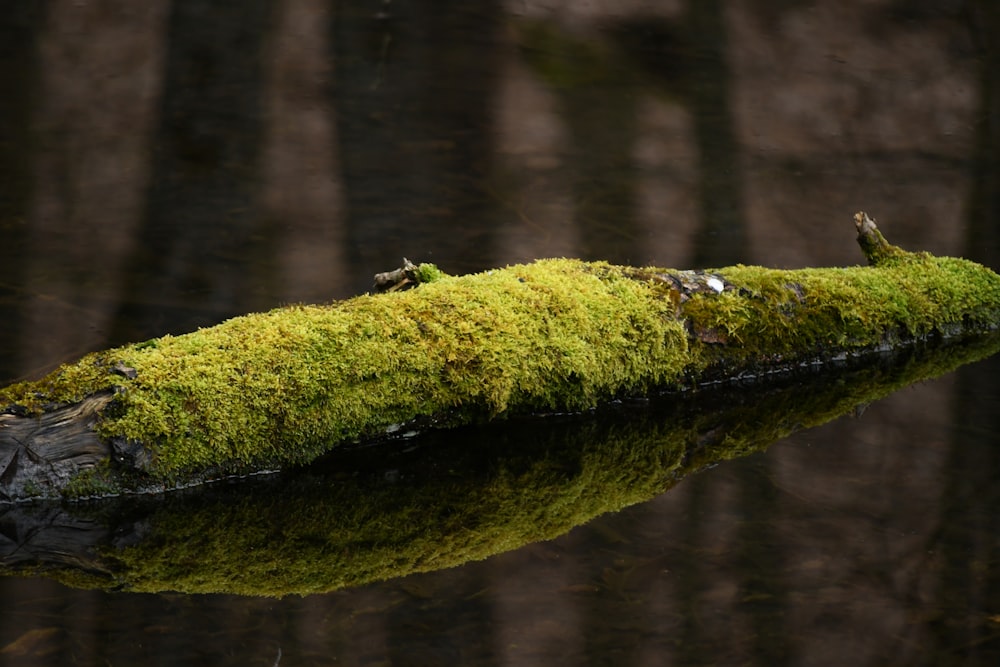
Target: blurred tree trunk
<point>18,83</point>
<point>200,213</point>
<point>686,58</point>
<point>984,218</point>
<point>602,126</point>
<point>722,236</point>
<point>968,541</point>
<point>413,95</point>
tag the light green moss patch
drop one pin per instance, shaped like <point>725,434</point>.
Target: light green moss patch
<point>428,273</point>
<point>69,383</point>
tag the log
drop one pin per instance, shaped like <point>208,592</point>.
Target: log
<point>267,391</point>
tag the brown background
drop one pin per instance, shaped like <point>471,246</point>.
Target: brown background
<point>166,165</point>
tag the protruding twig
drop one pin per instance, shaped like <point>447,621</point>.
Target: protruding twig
<point>876,249</point>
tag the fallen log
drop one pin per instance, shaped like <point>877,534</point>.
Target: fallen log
<point>271,390</point>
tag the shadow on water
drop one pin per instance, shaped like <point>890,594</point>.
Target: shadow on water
<point>160,171</point>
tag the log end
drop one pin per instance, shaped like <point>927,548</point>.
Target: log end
<point>40,456</point>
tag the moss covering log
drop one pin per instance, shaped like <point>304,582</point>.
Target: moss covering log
<point>272,390</point>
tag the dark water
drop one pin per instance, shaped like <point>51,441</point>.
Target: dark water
<point>164,167</point>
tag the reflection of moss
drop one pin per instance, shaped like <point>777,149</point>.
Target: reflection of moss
<point>452,497</point>
<point>309,538</point>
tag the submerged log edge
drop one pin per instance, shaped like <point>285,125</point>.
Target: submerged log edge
<point>269,390</point>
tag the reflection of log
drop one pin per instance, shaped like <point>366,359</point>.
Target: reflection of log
<point>279,388</point>
<point>440,499</point>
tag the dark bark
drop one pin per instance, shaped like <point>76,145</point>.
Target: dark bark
<point>47,452</point>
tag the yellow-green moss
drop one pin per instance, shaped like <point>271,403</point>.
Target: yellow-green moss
<point>769,313</point>
<point>284,386</point>
<point>278,388</point>
<point>428,273</point>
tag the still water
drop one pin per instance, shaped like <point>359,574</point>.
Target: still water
<point>169,166</point>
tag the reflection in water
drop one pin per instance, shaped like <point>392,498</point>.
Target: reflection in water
<point>469,154</point>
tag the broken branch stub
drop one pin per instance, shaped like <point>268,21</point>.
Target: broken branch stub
<point>874,246</point>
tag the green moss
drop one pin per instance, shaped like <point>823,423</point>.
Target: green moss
<point>280,388</point>
<point>428,273</point>
<point>69,383</point>
<point>96,482</point>
<point>767,314</point>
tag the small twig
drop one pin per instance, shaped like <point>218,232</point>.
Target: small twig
<point>876,249</point>
<point>398,279</point>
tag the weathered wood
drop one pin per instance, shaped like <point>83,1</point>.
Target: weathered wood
<point>45,452</point>
<point>271,390</point>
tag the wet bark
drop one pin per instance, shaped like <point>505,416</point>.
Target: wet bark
<point>47,451</point>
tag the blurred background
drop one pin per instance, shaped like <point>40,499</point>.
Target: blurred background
<point>166,165</point>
